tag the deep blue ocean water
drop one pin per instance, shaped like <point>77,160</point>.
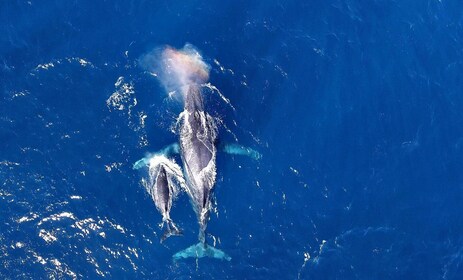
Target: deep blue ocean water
<point>356,106</point>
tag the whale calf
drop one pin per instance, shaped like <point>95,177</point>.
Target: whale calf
<point>165,181</point>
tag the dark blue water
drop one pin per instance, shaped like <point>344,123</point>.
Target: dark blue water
<point>356,106</point>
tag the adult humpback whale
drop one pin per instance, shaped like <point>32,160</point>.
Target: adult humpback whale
<point>198,134</point>
<point>197,138</point>
<point>184,72</point>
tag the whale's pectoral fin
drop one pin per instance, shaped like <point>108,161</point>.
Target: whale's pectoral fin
<point>201,250</point>
<point>169,150</point>
<point>142,162</point>
<point>236,149</point>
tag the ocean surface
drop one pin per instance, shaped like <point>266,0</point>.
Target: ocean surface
<point>355,105</point>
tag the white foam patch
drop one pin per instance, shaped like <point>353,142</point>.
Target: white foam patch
<point>9,163</point>
<point>306,259</point>
<point>84,62</point>
<point>86,226</point>
<point>294,170</point>
<point>111,166</point>
<point>20,94</point>
<point>123,99</point>
<point>142,116</point>
<point>4,193</point>
<point>55,268</point>
<point>39,259</point>
<point>47,236</point>
<point>115,226</point>
<point>58,217</point>
<point>62,269</point>
<point>222,68</point>
<point>124,96</point>
<point>31,217</point>
<point>45,66</point>
<point>216,90</point>
<point>72,60</point>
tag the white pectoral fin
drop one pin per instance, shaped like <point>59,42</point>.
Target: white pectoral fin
<point>236,149</point>
<point>142,162</point>
<point>173,148</point>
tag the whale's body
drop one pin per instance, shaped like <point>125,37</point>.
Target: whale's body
<point>198,152</point>
<point>198,134</point>
<point>163,193</point>
<point>164,185</point>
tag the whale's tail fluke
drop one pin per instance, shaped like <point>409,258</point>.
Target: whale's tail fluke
<point>171,230</point>
<point>201,250</point>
